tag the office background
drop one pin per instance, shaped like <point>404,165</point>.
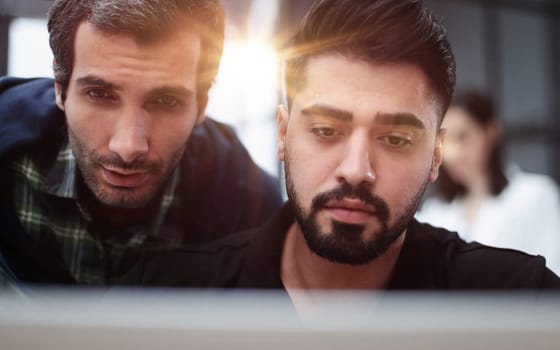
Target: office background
<point>510,48</point>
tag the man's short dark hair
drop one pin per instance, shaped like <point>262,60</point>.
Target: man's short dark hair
<point>381,31</point>
<point>145,20</point>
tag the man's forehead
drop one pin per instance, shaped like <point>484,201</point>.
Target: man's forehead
<point>116,61</point>
<point>385,92</point>
<point>181,25</point>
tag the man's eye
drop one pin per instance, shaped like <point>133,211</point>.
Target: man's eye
<point>325,132</point>
<point>99,94</point>
<point>168,101</point>
<point>396,141</point>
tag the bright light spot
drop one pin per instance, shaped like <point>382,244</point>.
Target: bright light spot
<point>29,53</point>
<point>248,78</point>
<point>246,95</point>
<point>253,63</point>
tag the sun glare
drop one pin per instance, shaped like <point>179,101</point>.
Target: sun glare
<point>249,66</point>
<point>246,94</point>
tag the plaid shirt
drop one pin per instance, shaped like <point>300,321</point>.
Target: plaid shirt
<point>45,198</point>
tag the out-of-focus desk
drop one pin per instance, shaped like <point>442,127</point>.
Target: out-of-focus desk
<point>183,319</point>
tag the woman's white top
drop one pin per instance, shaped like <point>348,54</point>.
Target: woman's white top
<point>525,216</point>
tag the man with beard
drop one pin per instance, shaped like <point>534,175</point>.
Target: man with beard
<point>124,163</point>
<point>367,87</point>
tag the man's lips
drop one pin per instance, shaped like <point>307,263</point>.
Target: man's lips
<point>350,211</point>
<point>124,178</point>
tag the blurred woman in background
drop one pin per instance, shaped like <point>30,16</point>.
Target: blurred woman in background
<point>481,199</point>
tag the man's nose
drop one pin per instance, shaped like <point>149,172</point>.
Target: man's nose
<point>130,135</point>
<point>355,165</point>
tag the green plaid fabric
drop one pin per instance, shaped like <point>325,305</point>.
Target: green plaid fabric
<point>45,197</point>
<point>5,283</point>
